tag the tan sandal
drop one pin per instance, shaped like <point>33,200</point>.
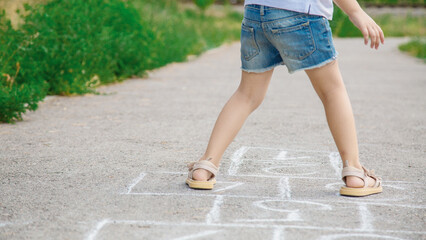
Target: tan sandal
<point>363,174</point>
<point>203,164</point>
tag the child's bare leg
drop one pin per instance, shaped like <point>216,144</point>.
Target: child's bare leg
<point>245,100</point>
<point>327,82</point>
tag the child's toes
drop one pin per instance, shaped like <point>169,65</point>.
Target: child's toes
<point>371,182</point>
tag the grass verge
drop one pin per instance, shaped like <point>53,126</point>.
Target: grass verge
<point>416,47</point>
<point>392,25</point>
<point>71,47</point>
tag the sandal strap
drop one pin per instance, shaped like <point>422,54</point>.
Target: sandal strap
<point>352,171</point>
<point>371,174</point>
<point>363,174</point>
<point>203,164</point>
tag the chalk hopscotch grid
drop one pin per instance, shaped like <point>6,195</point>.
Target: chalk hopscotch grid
<point>366,218</point>
<point>350,231</point>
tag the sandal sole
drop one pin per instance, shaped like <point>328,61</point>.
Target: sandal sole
<point>359,192</point>
<point>200,184</point>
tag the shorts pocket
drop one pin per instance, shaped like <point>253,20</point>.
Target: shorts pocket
<point>249,47</point>
<point>295,42</point>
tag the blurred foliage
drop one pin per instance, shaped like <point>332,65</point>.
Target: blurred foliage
<point>203,4</point>
<point>402,3</point>
<point>415,47</point>
<point>70,47</point>
<point>408,25</point>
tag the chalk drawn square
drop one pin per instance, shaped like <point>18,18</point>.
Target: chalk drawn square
<point>257,161</point>
<point>174,184</point>
<point>288,213</point>
<point>270,192</point>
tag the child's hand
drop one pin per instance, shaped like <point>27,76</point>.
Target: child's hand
<point>368,27</point>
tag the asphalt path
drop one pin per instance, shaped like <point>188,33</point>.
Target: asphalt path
<point>113,166</point>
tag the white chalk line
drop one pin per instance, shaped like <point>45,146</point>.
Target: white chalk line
<point>335,162</point>
<point>190,193</point>
<point>237,160</point>
<point>292,150</point>
<point>281,156</point>
<point>278,233</point>
<point>242,225</point>
<point>214,215</point>
<point>291,164</point>
<point>331,186</point>
<point>358,235</point>
<point>268,170</point>
<point>262,204</point>
<point>168,172</point>
<point>94,232</point>
<point>233,185</point>
<point>373,201</point>
<point>366,201</point>
<point>134,182</point>
<point>366,218</point>
<point>201,195</point>
<point>5,224</point>
<point>381,204</point>
<point>293,214</point>
<point>284,188</point>
<point>252,220</point>
<point>282,175</point>
<point>322,205</point>
<point>269,176</point>
<point>197,235</point>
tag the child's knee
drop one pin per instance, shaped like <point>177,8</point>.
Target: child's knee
<point>252,98</point>
<point>331,92</point>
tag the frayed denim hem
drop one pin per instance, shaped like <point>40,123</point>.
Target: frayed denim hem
<point>262,69</point>
<point>318,65</point>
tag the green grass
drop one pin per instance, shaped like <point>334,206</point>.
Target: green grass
<point>392,2</point>
<point>367,2</point>
<point>416,47</point>
<point>399,26</point>
<point>182,31</point>
<point>392,25</point>
<point>71,47</point>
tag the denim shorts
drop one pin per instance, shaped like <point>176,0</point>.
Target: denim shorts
<point>272,37</point>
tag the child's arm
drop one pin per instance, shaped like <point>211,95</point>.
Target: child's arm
<point>362,21</point>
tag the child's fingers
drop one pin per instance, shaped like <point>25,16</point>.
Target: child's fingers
<point>376,38</point>
<point>373,37</point>
<point>364,32</point>
<point>382,36</point>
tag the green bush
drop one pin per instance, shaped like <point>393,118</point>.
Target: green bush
<point>415,47</point>
<point>203,4</point>
<point>81,44</point>
<point>70,47</point>
<point>181,31</point>
<point>20,89</point>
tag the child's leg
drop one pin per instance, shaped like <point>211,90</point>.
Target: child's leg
<point>244,101</point>
<point>327,82</point>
